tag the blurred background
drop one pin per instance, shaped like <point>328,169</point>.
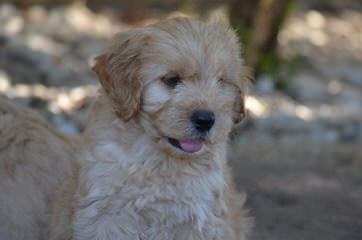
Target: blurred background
<point>298,155</point>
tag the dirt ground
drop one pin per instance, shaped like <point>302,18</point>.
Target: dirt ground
<point>301,191</point>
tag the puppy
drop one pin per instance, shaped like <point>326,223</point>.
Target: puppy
<point>34,160</point>
<point>153,158</point>
<point>152,161</point>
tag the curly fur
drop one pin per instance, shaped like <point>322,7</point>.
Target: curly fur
<point>131,183</point>
<point>34,160</point>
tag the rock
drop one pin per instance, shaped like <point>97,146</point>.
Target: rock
<point>265,85</point>
<point>306,87</point>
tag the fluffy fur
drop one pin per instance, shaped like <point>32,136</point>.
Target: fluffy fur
<point>34,160</point>
<point>132,183</point>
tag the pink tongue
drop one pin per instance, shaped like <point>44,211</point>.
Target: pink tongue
<point>191,145</point>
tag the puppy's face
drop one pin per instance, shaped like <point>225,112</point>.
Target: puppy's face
<point>181,80</point>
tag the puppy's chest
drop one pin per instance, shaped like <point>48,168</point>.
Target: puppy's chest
<point>173,197</point>
<point>157,204</point>
<point>174,201</point>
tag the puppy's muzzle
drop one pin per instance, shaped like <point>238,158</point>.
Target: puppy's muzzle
<point>203,120</point>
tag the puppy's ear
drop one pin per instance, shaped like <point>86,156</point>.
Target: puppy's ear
<point>239,107</point>
<point>118,71</point>
<point>241,89</point>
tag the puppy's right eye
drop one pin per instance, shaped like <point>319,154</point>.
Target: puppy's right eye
<point>171,81</point>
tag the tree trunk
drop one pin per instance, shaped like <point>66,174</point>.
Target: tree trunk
<point>258,23</point>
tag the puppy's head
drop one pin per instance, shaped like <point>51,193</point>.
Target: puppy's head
<point>182,80</point>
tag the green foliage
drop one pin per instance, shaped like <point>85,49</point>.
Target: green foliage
<point>269,63</point>
<point>285,71</point>
<point>291,6</point>
<point>280,70</point>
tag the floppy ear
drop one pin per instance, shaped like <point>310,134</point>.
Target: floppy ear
<point>239,107</point>
<point>118,71</point>
<point>241,88</point>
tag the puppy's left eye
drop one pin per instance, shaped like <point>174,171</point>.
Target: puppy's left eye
<point>171,81</point>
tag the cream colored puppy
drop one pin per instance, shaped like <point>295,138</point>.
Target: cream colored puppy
<point>153,157</point>
<point>34,161</point>
<point>154,152</point>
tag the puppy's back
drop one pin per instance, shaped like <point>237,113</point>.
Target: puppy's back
<point>34,160</point>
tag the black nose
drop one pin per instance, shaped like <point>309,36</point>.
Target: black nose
<point>203,120</point>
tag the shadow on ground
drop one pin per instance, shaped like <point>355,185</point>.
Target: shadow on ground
<point>301,191</point>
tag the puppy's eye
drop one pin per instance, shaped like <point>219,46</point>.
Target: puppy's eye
<point>171,81</point>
